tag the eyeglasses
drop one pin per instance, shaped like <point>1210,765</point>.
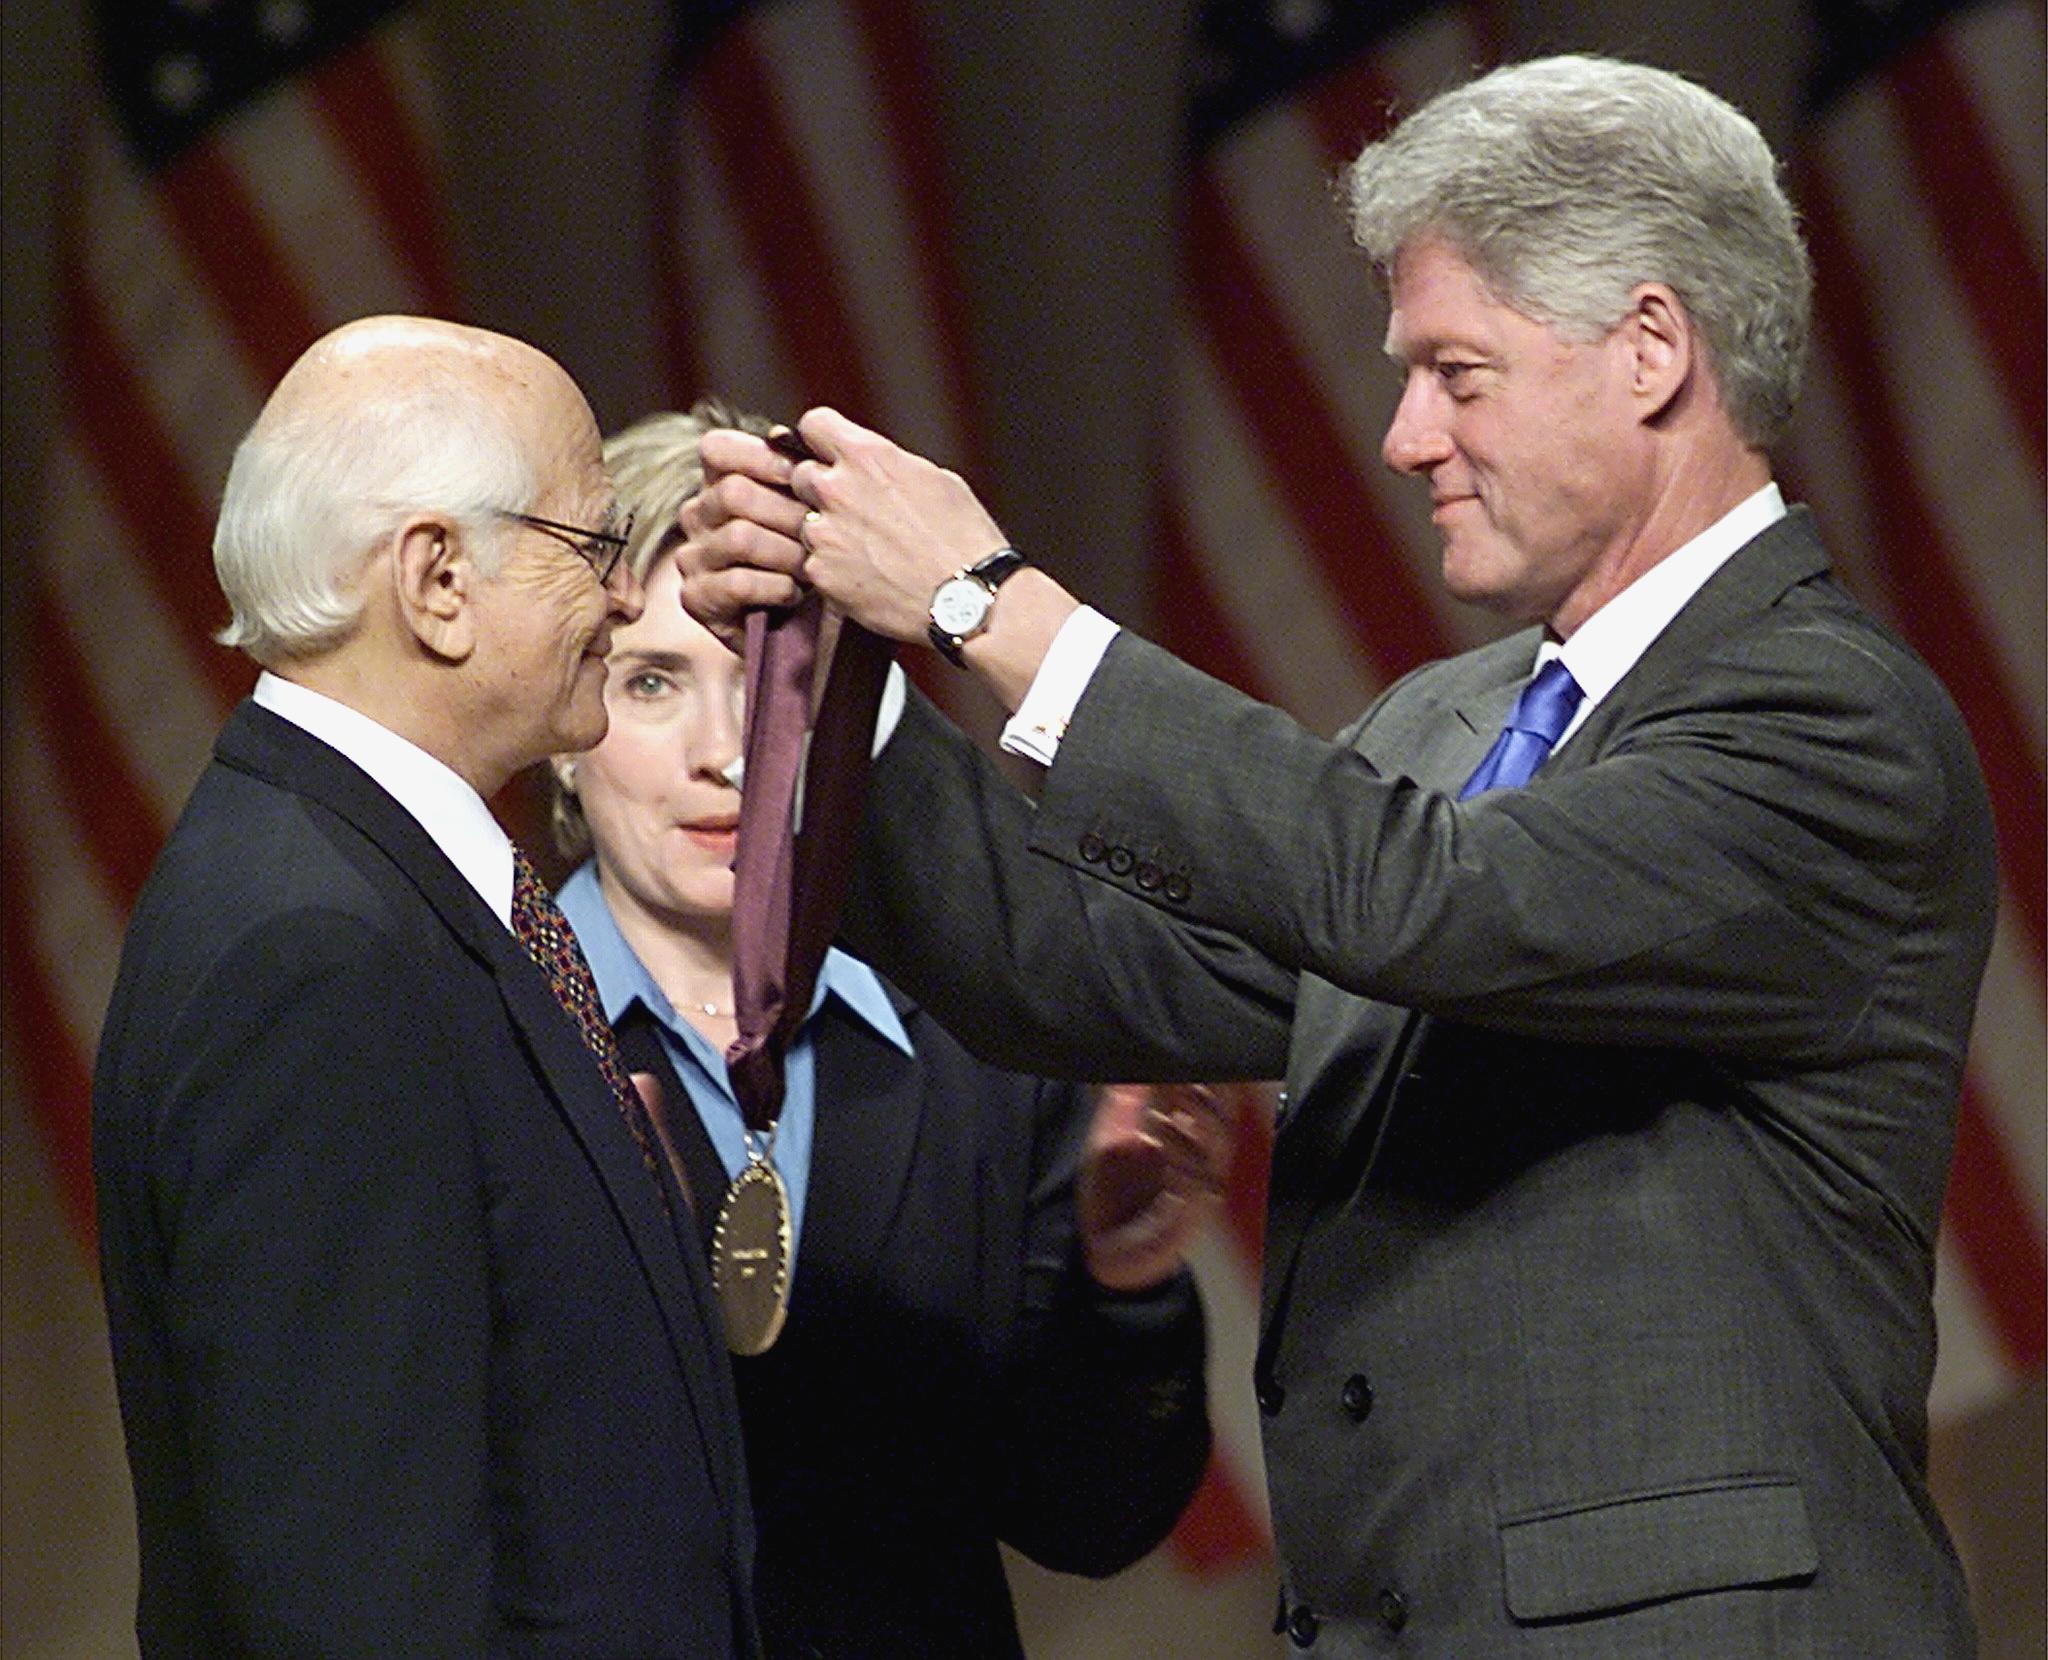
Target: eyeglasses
<point>599,549</point>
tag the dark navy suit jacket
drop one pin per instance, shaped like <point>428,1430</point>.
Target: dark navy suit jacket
<point>949,1374</point>
<point>412,1360</point>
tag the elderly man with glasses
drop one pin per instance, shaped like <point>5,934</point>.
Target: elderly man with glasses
<point>416,1354</point>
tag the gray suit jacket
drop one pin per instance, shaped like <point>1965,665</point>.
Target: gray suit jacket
<point>1597,1312</point>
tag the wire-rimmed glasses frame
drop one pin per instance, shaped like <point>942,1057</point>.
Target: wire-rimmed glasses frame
<point>601,550</point>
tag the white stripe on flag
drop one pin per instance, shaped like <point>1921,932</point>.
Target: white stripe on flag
<point>1970,1370</point>
<point>163,714</point>
<point>1997,50</point>
<point>1980,483</point>
<point>334,238</point>
<point>1286,618</point>
<point>2009,1057</point>
<point>162,314</point>
<point>818,61</point>
<point>734,336</point>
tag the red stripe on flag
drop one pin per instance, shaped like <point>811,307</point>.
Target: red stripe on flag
<point>1251,1169</point>
<point>86,754</point>
<point>375,134</point>
<point>1305,449</point>
<point>1218,1531</point>
<point>1935,609</point>
<point>687,376</point>
<point>906,102</point>
<point>1193,622</point>
<point>771,191</point>
<point>230,243</point>
<point>1355,102</point>
<point>1994,1230</point>
<point>1994,261</point>
<point>53,1073</point>
<point>145,481</point>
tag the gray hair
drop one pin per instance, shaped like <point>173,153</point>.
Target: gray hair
<point>313,490</point>
<point>1566,182</point>
<point>655,468</point>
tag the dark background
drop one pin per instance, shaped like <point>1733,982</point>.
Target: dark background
<point>1063,119</point>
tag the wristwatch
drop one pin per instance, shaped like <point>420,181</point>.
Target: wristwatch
<point>961,604</point>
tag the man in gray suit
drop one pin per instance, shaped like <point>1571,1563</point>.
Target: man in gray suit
<point>1596,1316</point>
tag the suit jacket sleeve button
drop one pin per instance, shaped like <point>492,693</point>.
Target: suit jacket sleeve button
<point>1302,1626</point>
<point>1357,1398</point>
<point>1393,1609</point>
<point>1120,861</point>
<point>1177,888</point>
<point>1092,848</point>
<point>1149,875</point>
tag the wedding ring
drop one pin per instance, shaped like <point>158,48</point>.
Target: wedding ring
<point>803,535</point>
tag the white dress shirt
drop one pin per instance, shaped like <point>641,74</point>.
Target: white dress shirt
<point>1606,645</point>
<point>447,808</point>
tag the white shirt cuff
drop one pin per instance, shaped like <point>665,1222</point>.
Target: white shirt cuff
<point>1035,730</point>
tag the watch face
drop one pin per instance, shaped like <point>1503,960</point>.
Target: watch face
<point>960,605</point>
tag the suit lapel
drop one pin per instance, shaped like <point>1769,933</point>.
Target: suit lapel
<point>658,1236</point>
<point>1350,1052</point>
<point>255,740</point>
<point>1781,557</point>
<point>870,1107</point>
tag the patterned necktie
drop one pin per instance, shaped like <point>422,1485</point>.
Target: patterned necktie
<point>1540,716</point>
<point>551,943</point>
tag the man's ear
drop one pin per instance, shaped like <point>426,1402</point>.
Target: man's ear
<point>436,578</point>
<point>1663,348</point>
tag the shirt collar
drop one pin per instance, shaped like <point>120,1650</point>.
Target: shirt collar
<point>448,809</point>
<point>1606,646</point>
<point>622,979</point>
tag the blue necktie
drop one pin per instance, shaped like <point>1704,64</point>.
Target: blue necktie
<point>1540,716</point>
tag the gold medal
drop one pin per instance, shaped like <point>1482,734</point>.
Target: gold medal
<point>750,1258</point>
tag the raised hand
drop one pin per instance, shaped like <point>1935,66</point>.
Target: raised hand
<point>737,539</point>
<point>884,526</point>
<point>1152,1173</point>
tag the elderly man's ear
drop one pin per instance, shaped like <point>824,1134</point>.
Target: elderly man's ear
<point>435,578</point>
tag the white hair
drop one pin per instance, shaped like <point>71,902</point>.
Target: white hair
<point>314,490</point>
<point>1565,182</point>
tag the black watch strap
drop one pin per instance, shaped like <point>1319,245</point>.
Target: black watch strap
<point>998,566</point>
<point>991,572</point>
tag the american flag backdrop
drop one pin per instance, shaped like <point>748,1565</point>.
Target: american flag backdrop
<point>804,245</point>
<point>249,176</point>
<point>253,171</point>
<point>1920,447</point>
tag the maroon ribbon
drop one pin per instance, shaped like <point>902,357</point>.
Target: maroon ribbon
<point>788,883</point>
